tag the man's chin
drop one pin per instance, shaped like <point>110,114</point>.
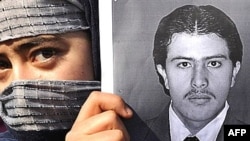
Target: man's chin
<point>201,112</point>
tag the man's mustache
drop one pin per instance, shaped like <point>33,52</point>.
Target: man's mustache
<point>199,93</point>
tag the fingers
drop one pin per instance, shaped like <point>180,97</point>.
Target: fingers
<point>99,119</point>
<point>105,121</point>
<point>103,126</point>
<point>99,102</point>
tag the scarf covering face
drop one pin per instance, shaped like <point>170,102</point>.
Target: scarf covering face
<point>44,105</point>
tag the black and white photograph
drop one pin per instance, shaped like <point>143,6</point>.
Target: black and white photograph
<point>183,66</point>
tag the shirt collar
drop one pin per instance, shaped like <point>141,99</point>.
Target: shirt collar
<point>179,132</point>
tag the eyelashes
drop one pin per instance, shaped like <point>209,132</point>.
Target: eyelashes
<point>210,64</point>
<point>43,54</point>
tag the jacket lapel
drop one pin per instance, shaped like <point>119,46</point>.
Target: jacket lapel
<point>160,126</point>
<point>230,119</point>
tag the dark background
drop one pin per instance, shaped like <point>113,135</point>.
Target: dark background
<point>134,26</point>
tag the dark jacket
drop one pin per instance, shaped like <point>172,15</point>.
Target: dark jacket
<point>158,128</point>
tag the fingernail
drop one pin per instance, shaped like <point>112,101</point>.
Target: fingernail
<point>129,111</point>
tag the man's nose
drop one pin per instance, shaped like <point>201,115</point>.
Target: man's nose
<point>199,78</point>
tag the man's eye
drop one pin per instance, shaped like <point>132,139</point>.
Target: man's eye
<point>44,54</point>
<point>214,64</point>
<point>184,65</point>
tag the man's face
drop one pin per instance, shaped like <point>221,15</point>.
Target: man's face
<point>48,57</point>
<point>198,74</point>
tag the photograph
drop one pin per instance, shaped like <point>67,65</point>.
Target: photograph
<point>187,61</point>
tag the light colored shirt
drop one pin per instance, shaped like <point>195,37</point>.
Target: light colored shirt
<point>179,132</point>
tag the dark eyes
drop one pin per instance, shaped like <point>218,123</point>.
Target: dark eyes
<point>211,64</point>
<point>214,64</point>
<point>42,55</point>
<point>5,64</point>
<point>184,65</point>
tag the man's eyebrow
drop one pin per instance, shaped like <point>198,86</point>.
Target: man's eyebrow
<point>181,58</point>
<point>205,58</point>
<point>216,56</point>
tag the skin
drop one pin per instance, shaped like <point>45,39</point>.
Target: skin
<point>66,56</point>
<point>58,57</point>
<point>198,74</point>
<point>99,119</point>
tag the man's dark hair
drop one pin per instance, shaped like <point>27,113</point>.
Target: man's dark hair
<point>200,20</point>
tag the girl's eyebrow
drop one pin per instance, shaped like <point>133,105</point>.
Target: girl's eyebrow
<point>33,42</point>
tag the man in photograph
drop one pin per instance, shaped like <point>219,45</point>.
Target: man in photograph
<point>197,55</point>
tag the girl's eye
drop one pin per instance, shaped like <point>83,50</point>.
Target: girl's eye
<point>214,64</point>
<point>4,64</point>
<point>43,55</point>
<point>184,65</point>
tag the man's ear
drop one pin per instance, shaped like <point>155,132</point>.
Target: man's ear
<point>163,74</point>
<point>235,72</point>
